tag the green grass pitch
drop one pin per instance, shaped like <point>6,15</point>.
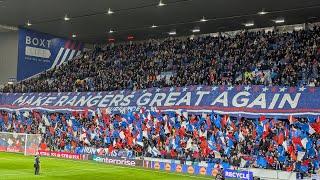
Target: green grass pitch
<point>18,166</point>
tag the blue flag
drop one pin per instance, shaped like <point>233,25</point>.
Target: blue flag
<point>217,122</point>
<point>262,162</point>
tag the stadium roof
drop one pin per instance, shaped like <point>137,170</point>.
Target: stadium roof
<point>91,22</point>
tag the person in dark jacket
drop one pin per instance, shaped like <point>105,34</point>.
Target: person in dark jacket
<point>36,165</point>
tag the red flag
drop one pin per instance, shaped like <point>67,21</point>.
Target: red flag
<point>316,126</point>
<point>63,119</point>
<point>286,132</point>
<point>136,116</point>
<point>86,112</point>
<point>142,110</point>
<point>306,162</point>
<point>254,133</point>
<point>270,160</point>
<point>74,113</point>
<point>208,121</point>
<point>280,138</point>
<point>291,152</point>
<point>195,134</point>
<point>296,140</point>
<point>110,149</point>
<point>266,129</point>
<point>193,119</point>
<point>289,168</point>
<point>224,120</point>
<point>262,118</point>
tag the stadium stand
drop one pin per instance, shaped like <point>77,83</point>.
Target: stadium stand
<point>254,58</point>
<point>291,144</point>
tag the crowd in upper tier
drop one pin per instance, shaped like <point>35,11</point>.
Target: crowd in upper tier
<point>260,58</point>
<point>291,144</point>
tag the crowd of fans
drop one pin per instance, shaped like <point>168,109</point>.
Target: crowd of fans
<point>291,144</point>
<point>261,58</point>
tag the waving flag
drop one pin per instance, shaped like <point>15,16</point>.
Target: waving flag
<point>316,126</point>
<point>166,129</point>
<point>225,120</point>
<point>262,118</point>
<point>300,155</point>
<point>241,137</point>
<point>185,114</point>
<point>225,165</point>
<point>259,130</point>
<point>87,141</point>
<point>292,119</point>
<point>261,161</point>
<point>302,168</point>
<point>145,133</point>
<point>121,135</point>
<point>46,120</point>
<point>26,114</point>
<point>280,138</point>
<point>155,151</point>
<point>189,144</point>
<point>69,122</point>
<point>311,130</point>
<point>217,154</point>
<point>208,121</point>
<point>217,122</point>
<point>304,142</point>
<point>296,140</point>
<point>211,145</point>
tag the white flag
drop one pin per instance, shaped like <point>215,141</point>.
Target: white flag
<point>311,130</point>
<point>184,124</point>
<point>284,144</point>
<point>69,122</point>
<point>121,134</point>
<point>243,163</point>
<point>93,135</point>
<point>26,114</point>
<point>189,145</point>
<point>300,155</point>
<point>86,141</point>
<point>166,129</point>
<point>45,119</point>
<point>204,115</point>
<point>304,142</point>
<point>203,134</point>
<point>217,154</point>
<point>140,143</point>
<point>185,114</point>
<point>145,133</point>
<point>82,136</point>
<point>241,137</point>
<point>155,151</point>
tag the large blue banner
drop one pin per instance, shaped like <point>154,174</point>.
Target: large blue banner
<point>38,52</point>
<point>238,100</point>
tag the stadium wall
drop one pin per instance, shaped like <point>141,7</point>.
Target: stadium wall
<point>8,56</point>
